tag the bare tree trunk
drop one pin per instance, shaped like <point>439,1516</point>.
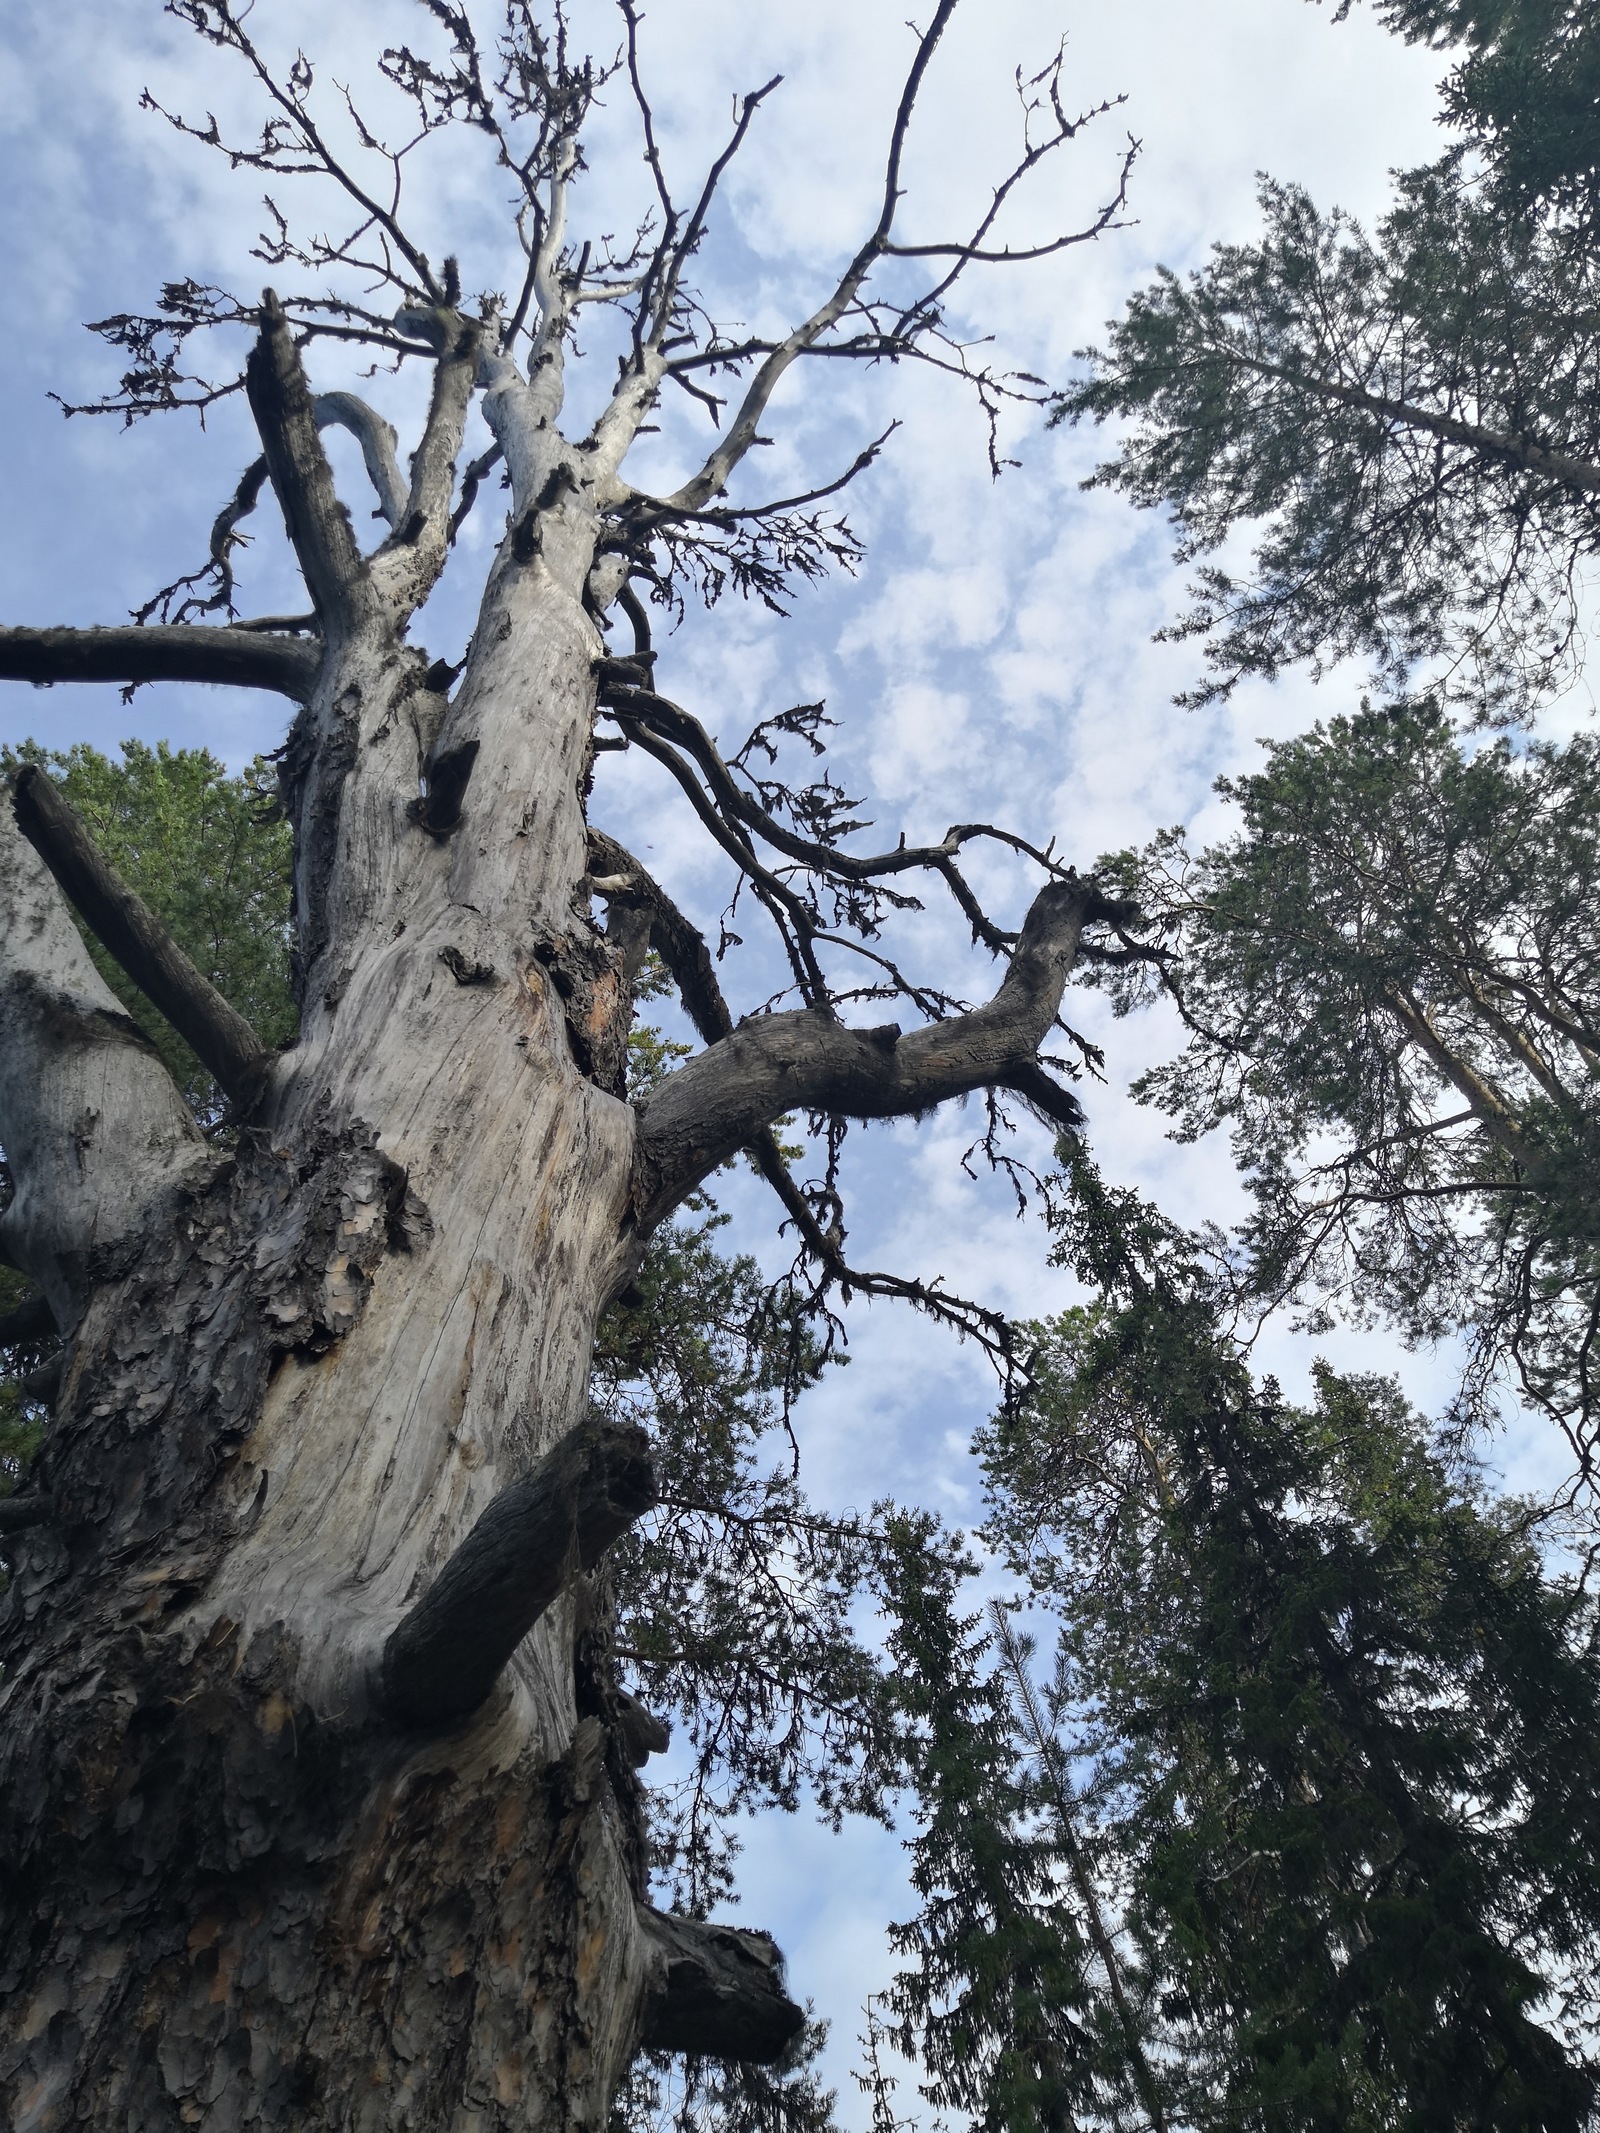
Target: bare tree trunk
<point>304,1818</point>
<point>241,1888</point>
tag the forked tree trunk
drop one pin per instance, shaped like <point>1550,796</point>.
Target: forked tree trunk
<point>243,1885</point>
<point>303,1821</point>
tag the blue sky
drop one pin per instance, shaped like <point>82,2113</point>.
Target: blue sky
<point>992,659</point>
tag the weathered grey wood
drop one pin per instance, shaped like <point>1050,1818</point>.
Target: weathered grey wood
<point>235,657</point>
<point>96,1136</point>
<point>443,1660</point>
<point>221,1038</point>
<point>715,1103</point>
<point>343,1363</point>
<point>716,1991</point>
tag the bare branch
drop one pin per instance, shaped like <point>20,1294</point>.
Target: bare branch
<point>233,658</point>
<point>317,523</point>
<point>378,442</point>
<point>713,475</point>
<point>221,1038</point>
<point>622,879</point>
<point>679,944</point>
<point>93,1128</point>
<point>443,1659</point>
<point>715,1991</point>
<point>218,568</point>
<point>715,1104</point>
<point>485,463</point>
<point>299,149</point>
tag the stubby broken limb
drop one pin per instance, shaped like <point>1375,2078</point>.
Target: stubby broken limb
<point>19,1513</point>
<point>716,1103</point>
<point>715,1991</point>
<point>221,1038</point>
<point>443,1659</point>
<point>31,1320</point>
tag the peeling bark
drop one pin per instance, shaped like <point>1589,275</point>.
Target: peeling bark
<point>318,1793</point>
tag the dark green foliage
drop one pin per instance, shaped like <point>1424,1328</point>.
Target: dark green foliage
<point>1346,1729</point>
<point>1409,422</point>
<point>1306,386</point>
<point>210,856</point>
<point>1526,91</point>
<point>1391,977</point>
<point>734,1598</point>
<point>1000,2008</point>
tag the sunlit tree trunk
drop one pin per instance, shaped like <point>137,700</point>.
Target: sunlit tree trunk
<point>303,1819</point>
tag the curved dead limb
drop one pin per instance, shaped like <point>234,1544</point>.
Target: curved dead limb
<point>786,909</point>
<point>232,657</point>
<point>713,1105</point>
<point>378,441</point>
<point>715,1991</point>
<point>218,568</point>
<point>682,745</point>
<point>625,882</point>
<point>220,1037</point>
<point>679,944</point>
<point>471,481</point>
<point>443,1659</point>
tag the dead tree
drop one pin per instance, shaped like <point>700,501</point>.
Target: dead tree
<point>302,1822</point>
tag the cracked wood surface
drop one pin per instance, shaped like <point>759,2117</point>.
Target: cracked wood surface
<point>317,1791</point>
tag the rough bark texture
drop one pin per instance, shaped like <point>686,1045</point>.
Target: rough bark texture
<point>317,1792</point>
<point>236,1892</point>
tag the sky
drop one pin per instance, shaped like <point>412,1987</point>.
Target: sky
<point>992,659</point>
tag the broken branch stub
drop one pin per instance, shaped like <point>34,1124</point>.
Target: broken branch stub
<point>715,1991</point>
<point>442,1660</point>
